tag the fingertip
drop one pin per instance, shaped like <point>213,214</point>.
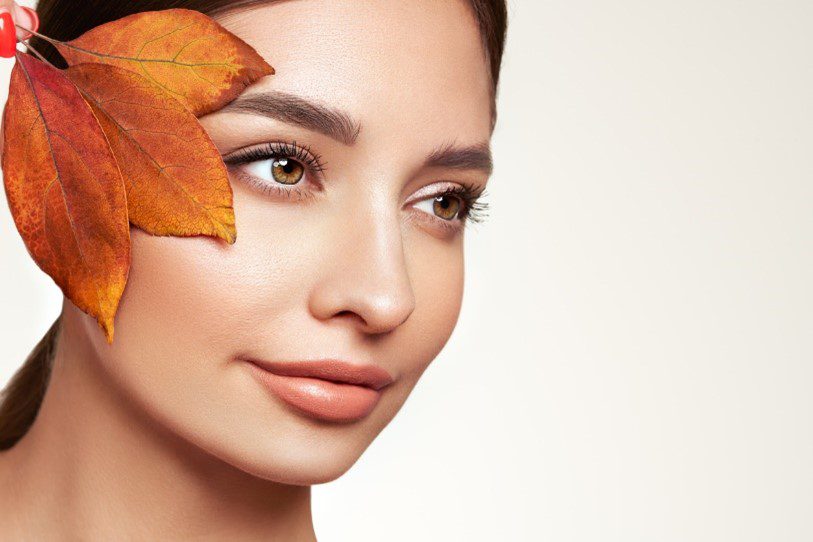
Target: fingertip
<point>26,18</point>
<point>35,18</point>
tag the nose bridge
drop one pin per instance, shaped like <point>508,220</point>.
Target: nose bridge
<point>366,275</point>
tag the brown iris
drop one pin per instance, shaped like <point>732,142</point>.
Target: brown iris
<point>287,171</point>
<point>446,207</point>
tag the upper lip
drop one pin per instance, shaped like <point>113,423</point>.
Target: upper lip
<point>335,370</point>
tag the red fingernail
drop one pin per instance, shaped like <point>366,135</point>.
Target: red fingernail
<point>8,35</point>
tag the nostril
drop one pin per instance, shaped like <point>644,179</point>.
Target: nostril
<point>362,322</point>
<point>350,314</point>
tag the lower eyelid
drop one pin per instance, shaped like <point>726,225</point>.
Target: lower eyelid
<point>452,225</point>
<point>435,223</point>
<point>270,186</point>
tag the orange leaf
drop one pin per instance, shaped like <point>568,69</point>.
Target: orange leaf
<point>65,190</point>
<point>177,183</point>
<point>185,52</point>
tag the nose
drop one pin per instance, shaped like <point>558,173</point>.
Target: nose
<point>364,276</point>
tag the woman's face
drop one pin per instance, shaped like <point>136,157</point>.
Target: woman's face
<point>356,262</point>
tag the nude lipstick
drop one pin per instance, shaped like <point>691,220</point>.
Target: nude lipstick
<point>329,389</point>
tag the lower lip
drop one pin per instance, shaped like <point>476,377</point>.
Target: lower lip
<point>320,399</point>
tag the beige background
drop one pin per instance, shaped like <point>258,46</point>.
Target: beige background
<point>633,359</point>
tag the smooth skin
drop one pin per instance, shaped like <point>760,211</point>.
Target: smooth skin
<point>166,434</point>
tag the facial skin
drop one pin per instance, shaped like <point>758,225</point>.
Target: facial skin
<point>360,271</point>
<point>354,273</point>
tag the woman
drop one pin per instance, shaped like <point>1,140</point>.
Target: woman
<point>355,169</point>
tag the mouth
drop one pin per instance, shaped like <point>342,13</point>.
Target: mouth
<point>329,390</point>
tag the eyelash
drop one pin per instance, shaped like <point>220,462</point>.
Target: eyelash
<point>473,209</point>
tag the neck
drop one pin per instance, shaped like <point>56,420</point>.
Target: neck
<point>95,466</point>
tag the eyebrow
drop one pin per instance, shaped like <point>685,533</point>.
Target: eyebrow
<point>293,109</point>
<point>338,125</point>
<point>477,156</point>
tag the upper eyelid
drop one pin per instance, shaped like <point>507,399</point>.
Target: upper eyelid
<point>237,157</point>
<point>426,192</point>
<point>311,159</point>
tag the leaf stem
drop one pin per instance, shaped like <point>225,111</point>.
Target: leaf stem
<point>43,36</point>
<point>41,57</point>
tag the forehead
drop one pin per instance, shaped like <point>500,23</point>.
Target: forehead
<point>395,65</point>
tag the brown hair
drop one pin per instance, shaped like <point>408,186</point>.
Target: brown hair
<point>65,20</point>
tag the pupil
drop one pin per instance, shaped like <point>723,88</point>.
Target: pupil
<point>286,167</point>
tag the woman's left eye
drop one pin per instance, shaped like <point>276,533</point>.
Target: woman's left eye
<point>444,206</point>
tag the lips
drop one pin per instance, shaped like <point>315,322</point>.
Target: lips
<point>329,390</point>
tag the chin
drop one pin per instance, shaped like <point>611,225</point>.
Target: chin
<point>273,442</point>
<point>279,458</point>
<point>303,470</point>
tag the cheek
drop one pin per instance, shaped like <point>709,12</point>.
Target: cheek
<point>193,293</point>
<point>192,304</point>
<point>174,325</point>
<point>177,293</point>
<point>437,274</point>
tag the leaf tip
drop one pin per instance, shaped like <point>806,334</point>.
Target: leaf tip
<point>107,326</point>
<point>229,234</point>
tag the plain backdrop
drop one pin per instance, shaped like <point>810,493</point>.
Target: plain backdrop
<point>633,357</point>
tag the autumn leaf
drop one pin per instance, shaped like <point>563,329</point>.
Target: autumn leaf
<point>176,181</point>
<point>114,140</point>
<point>185,52</point>
<point>65,190</point>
